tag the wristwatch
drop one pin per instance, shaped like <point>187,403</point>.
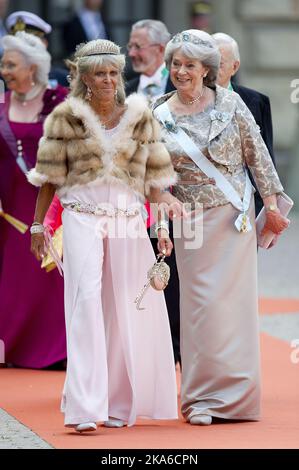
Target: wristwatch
<point>272,207</point>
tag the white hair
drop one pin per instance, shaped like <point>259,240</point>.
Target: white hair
<point>93,54</point>
<point>157,30</point>
<point>199,45</point>
<point>225,39</point>
<point>34,52</point>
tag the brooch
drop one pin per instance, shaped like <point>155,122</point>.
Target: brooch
<point>218,116</point>
<point>170,126</point>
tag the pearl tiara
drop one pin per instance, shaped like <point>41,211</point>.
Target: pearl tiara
<point>188,37</point>
<point>97,47</point>
<point>101,53</point>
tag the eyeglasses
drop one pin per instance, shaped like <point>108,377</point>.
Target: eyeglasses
<point>7,66</point>
<point>138,48</point>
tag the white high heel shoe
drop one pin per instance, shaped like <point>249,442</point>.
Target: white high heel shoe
<point>201,420</point>
<point>114,423</point>
<point>86,427</point>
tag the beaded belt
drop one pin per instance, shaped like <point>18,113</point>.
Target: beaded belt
<point>103,209</point>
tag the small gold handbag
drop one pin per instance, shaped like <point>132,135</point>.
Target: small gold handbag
<point>158,277</point>
<point>48,263</point>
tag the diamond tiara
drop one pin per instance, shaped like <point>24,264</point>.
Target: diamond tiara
<point>188,37</point>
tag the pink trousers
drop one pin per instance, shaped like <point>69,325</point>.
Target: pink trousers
<point>120,359</point>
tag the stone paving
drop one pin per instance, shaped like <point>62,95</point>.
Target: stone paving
<point>279,267</point>
<point>14,435</point>
<point>278,270</point>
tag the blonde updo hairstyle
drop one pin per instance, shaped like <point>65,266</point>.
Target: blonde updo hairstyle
<point>196,44</point>
<point>93,54</point>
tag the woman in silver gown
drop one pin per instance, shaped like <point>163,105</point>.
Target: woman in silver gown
<point>218,280</point>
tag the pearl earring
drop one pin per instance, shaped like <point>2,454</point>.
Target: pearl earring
<point>88,95</point>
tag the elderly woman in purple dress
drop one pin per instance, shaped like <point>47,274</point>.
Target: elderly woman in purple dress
<point>31,312</point>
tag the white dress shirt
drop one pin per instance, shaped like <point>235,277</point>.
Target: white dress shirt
<point>155,85</point>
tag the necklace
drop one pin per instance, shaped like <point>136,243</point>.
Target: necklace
<point>189,103</point>
<point>23,98</point>
<point>110,119</point>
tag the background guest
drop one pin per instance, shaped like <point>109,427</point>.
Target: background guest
<point>86,25</point>
<point>31,317</point>
<point>146,48</point>
<point>258,103</point>
<point>33,24</point>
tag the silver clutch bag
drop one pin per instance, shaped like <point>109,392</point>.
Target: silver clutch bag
<point>158,277</point>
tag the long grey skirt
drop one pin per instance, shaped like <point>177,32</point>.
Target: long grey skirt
<point>219,320</point>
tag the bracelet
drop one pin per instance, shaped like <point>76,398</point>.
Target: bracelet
<point>271,208</point>
<point>37,228</point>
<point>162,224</point>
<point>161,236</point>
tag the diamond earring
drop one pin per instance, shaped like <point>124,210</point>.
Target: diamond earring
<point>88,95</point>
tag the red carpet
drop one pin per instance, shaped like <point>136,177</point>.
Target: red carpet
<point>33,397</point>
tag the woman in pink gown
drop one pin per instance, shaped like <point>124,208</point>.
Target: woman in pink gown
<point>102,155</point>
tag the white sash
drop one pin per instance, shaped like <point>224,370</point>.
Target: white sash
<point>242,223</point>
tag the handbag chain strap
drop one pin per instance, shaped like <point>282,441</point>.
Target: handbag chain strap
<point>137,301</point>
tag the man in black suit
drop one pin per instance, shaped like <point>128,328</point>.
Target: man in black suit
<point>86,25</point>
<point>258,103</point>
<point>146,48</point>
